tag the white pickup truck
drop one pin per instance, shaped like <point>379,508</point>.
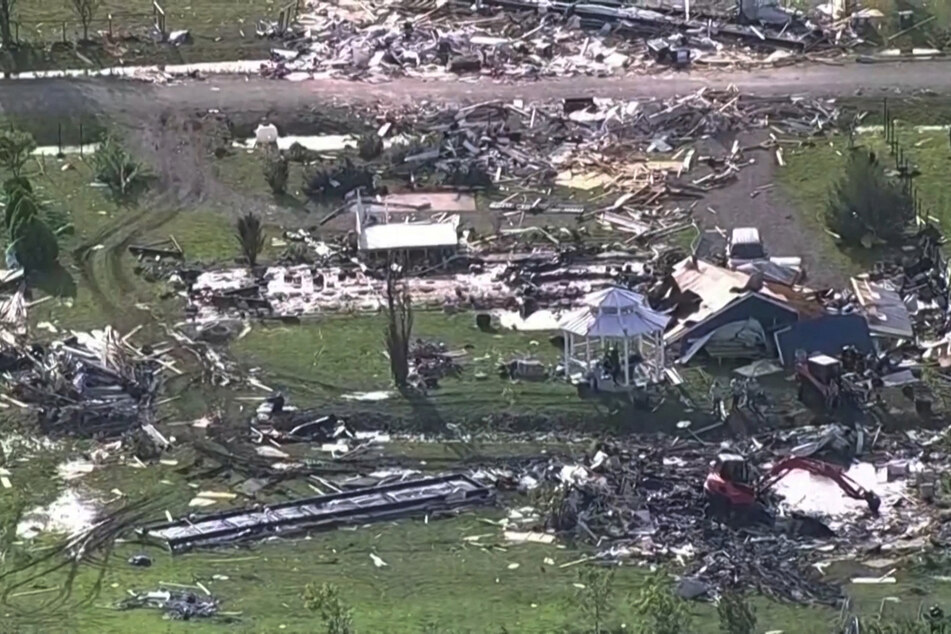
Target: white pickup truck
<point>745,252</point>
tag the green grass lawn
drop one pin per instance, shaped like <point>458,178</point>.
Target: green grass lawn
<point>221,30</point>
<point>813,169</point>
<point>334,356</point>
<point>98,285</point>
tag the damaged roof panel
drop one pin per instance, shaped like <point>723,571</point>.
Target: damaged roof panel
<point>717,289</point>
<point>424,496</point>
<point>884,308</point>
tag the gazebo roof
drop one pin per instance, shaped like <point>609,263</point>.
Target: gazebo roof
<point>614,312</point>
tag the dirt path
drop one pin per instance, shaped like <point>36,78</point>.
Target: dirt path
<point>136,101</point>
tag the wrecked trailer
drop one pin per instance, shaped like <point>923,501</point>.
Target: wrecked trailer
<point>371,504</point>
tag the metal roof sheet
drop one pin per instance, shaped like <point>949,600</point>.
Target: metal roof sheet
<point>408,236</point>
<point>884,309</point>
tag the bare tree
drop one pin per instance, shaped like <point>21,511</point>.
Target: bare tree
<point>399,326</point>
<point>85,10</point>
<point>6,20</point>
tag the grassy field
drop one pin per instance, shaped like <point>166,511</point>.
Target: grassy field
<point>451,575</point>
<point>328,359</point>
<point>97,285</point>
<point>220,29</point>
<point>813,169</point>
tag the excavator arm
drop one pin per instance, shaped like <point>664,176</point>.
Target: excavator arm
<point>850,487</point>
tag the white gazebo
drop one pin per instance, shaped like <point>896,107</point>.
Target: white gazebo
<point>619,316</point>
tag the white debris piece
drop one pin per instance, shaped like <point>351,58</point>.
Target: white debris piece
<point>266,134</point>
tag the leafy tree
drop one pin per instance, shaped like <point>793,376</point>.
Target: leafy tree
<point>16,147</point>
<point>250,235</point>
<point>333,611</point>
<point>276,171</point>
<point>595,588</point>
<point>115,167</point>
<point>31,240</point>
<point>20,202</point>
<point>660,610</point>
<point>736,614</point>
<point>399,327</point>
<point>866,205</point>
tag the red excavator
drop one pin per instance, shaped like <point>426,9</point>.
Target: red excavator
<point>734,491</point>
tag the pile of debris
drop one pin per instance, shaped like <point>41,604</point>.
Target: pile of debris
<point>278,422</point>
<point>92,384</point>
<point>546,143</point>
<point>644,501</point>
<point>431,361</point>
<point>525,39</point>
<point>526,150</point>
<point>178,605</point>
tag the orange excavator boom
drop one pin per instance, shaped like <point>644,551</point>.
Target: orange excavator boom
<point>850,487</point>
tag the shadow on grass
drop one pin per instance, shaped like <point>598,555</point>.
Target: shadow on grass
<point>56,281</point>
<point>290,201</point>
<point>426,416</point>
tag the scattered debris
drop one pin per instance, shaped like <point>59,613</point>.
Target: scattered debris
<point>93,384</point>
<point>523,39</point>
<point>177,605</point>
<point>640,500</point>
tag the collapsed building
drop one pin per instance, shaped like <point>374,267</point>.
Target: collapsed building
<point>524,39</point>
<point>90,384</point>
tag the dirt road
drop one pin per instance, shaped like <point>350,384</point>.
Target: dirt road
<point>131,100</point>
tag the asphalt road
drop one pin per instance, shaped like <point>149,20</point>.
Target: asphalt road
<point>134,101</point>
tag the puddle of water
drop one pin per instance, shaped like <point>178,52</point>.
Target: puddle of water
<point>87,149</point>
<point>320,143</point>
<point>69,514</point>
<point>316,143</point>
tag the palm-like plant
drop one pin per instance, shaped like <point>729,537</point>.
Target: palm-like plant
<point>250,235</point>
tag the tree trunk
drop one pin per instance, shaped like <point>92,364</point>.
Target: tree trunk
<point>6,10</point>
<point>399,328</point>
